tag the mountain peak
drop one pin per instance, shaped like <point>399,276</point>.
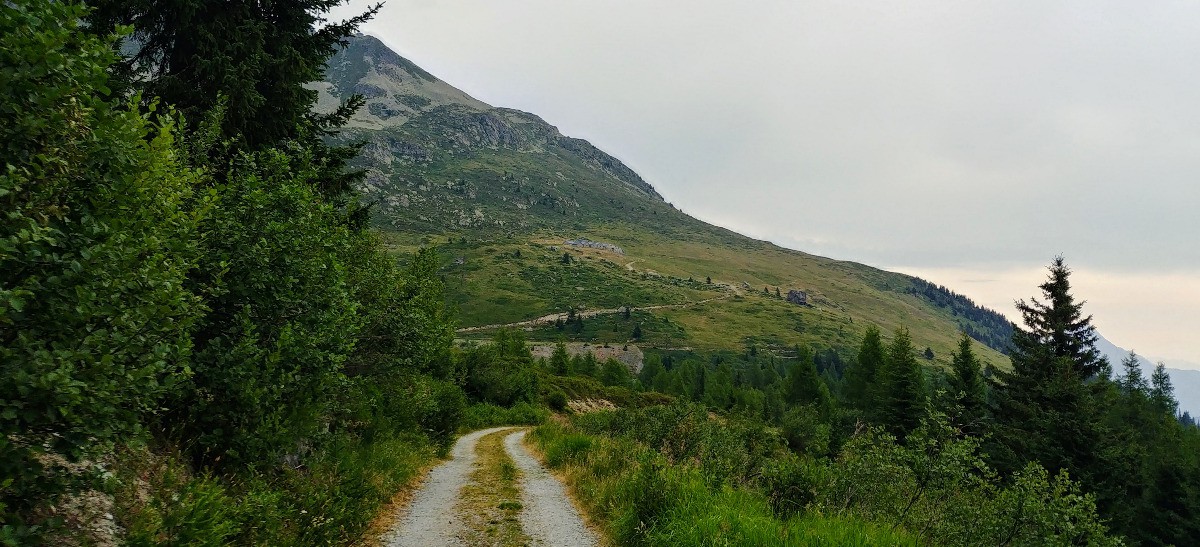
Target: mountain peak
<point>395,88</point>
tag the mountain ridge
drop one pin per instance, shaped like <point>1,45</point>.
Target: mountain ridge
<point>499,190</point>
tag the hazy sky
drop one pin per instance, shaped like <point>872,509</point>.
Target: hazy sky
<point>966,142</point>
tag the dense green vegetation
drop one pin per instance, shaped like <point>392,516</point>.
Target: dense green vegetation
<point>197,325</point>
<point>1054,452</point>
<point>194,323</point>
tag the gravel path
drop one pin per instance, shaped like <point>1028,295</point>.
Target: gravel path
<point>429,519</point>
<point>548,515</point>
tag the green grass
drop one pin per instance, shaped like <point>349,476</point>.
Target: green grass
<point>488,504</point>
<point>640,499</point>
<point>495,287</point>
<point>482,415</point>
<point>331,501</point>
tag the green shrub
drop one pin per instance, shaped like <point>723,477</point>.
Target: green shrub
<point>198,512</point>
<point>791,483</point>
<point>501,373</point>
<point>479,416</point>
<point>557,400</point>
<point>98,233</point>
<point>805,431</point>
<point>281,319</point>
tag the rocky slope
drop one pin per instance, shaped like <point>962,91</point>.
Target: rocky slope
<point>500,191</point>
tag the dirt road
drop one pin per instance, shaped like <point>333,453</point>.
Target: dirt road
<point>432,518</point>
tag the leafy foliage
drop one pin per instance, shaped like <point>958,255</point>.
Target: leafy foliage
<point>280,320</point>
<point>97,236</point>
<point>501,373</point>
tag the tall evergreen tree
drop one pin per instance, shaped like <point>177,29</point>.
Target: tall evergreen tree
<point>1132,382</point>
<point>1162,393</point>
<point>244,65</point>
<point>862,375</point>
<point>968,388</point>
<point>1057,327</point>
<point>254,56</point>
<point>902,398</point>
<point>1044,407</point>
<point>560,360</point>
<point>803,385</point>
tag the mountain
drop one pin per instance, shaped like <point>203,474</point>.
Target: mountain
<point>500,192</point>
<point>1185,381</point>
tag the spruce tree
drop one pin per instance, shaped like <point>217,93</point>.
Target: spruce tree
<point>902,398</point>
<point>968,388</point>
<point>560,360</point>
<point>803,385</point>
<point>862,375</point>
<point>1058,328</point>
<point>1044,407</point>
<point>1162,392</point>
<point>255,57</point>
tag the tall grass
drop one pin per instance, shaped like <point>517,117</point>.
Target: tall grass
<point>330,502</point>
<point>641,498</point>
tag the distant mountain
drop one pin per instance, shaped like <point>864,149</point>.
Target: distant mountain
<point>439,160</point>
<point>1186,382</point>
<point>500,191</point>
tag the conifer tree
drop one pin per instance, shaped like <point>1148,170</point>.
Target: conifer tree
<point>862,375</point>
<point>254,56</point>
<point>803,385</point>
<point>902,398</point>
<point>967,386</point>
<point>1162,393</point>
<point>651,369</point>
<point>1044,409</point>
<point>560,360</point>
<point>1132,382</point>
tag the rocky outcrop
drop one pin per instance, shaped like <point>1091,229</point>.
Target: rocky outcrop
<point>800,298</point>
<point>585,242</point>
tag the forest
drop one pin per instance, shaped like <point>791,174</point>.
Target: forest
<point>202,338</point>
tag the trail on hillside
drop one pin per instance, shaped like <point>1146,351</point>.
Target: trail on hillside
<point>550,319</point>
<point>434,517</point>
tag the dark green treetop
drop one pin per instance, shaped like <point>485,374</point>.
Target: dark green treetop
<point>862,375</point>
<point>902,397</point>
<point>968,387</point>
<point>1057,326</point>
<point>257,56</point>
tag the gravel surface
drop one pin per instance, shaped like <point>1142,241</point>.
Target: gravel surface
<point>429,519</point>
<point>548,516</point>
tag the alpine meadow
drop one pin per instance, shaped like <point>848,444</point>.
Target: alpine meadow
<point>264,281</point>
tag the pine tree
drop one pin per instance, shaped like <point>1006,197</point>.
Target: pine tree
<point>968,388</point>
<point>862,375</point>
<point>253,56</point>
<point>1132,382</point>
<point>1162,392</point>
<point>651,369</point>
<point>803,386</point>
<point>1057,327</point>
<point>902,398</point>
<point>1044,408</point>
<point>560,360</point>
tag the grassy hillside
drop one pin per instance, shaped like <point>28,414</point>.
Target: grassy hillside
<point>498,191</point>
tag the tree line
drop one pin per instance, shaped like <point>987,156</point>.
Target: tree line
<point>1119,438</point>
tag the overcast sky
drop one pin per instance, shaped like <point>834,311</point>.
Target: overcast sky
<point>966,142</point>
